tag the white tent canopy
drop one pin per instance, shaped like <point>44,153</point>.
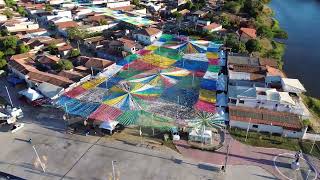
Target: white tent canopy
<point>31,94</point>
<point>109,125</point>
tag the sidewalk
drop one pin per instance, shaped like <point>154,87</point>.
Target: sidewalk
<point>239,154</point>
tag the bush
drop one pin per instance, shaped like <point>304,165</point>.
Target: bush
<point>65,64</point>
<point>53,49</point>
<point>280,34</point>
<point>232,7</point>
<point>23,48</point>
<point>265,31</point>
<point>74,53</point>
<point>253,45</point>
<point>3,63</point>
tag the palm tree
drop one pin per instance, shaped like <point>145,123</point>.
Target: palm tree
<point>205,120</point>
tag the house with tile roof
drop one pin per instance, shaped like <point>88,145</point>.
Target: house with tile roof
<point>148,35</point>
<point>247,33</point>
<point>213,27</point>
<point>262,120</point>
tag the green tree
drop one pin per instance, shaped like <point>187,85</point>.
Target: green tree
<point>10,52</point>
<point>253,45</point>
<point>8,13</point>
<point>189,5</point>
<point>10,42</point>
<point>280,34</point>
<point>48,8</point>
<point>10,3</point>
<point>234,43</point>
<point>65,64</point>
<point>232,6</point>
<point>136,2</point>
<point>75,33</point>
<point>253,7</point>
<point>225,22</point>
<point>4,32</point>
<point>3,63</point>
<point>23,48</point>
<point>265,31</point>
<point>1,55</point>
<point>103,22</point>
<point>21,11</point>
<point>53,49</point>
<point>74,53</point>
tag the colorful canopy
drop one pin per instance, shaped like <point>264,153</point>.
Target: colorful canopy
<point>158,77</point>
<point>128,96</point>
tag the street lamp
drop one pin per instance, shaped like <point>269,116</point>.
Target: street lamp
<point>113,173</point>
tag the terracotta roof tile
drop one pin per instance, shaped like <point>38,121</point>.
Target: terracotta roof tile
<point>249,31</point>
<point>261,116</point>
<point>68,24</point>
<point>212,26</point>
<point>149,31</point>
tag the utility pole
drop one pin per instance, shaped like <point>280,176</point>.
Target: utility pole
<point>9,96</point>
<point>248,130</point>
<point>227,156</point>
<point>113,173</point>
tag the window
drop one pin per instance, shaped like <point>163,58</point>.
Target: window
<point>255,126</point>
<point>233,101</point>
<point>241,101</point>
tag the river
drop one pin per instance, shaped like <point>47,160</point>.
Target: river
<point>301,19</point>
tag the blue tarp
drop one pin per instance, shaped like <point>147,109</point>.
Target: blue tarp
<point>110,82</point>
<point>192,65</point>
<point>14,80</point>
<point>208,84</point>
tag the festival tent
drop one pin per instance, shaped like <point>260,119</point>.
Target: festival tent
<point>129,96</point>
<point>109,125</point>
<point>30,94</point>
<point>158,77</point>
<point>105,113</point>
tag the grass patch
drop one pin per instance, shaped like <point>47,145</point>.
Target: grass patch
<point>273,141</point>
<point>313,104</point>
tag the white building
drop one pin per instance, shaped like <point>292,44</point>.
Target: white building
<point>148,35</point>
<point>23,26</point>
<point>261,120</point>
<point>266,98</point>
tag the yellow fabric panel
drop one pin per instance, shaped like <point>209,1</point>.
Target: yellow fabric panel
<point>211,55</point>
<point>157,60</point>
<point>93,83</point>
<point>114,101</point>
<point>208,96</point>
<point>151,48</point>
